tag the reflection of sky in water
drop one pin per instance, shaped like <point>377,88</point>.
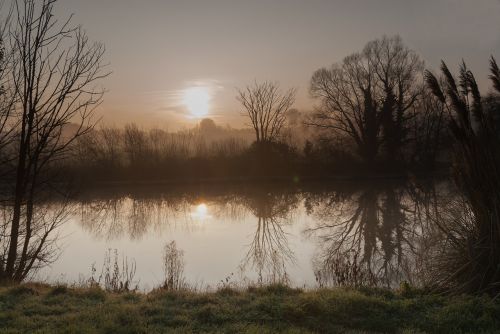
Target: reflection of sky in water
<point>215,240</point>
<point>236,235</point>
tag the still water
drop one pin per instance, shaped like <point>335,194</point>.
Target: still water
<point>248,234</point>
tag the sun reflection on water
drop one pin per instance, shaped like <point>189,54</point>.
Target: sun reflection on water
<point>200,212</point>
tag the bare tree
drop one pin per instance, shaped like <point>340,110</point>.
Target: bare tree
<point>136,145</point>
<point>367,97</point>
<point>7,98</point>
<point>55,75</point>
<point>102,147</point>
<point>266,107</point>
<point>349,104</point>
<point>399,73</point>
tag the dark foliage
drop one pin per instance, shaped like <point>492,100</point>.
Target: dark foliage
<point>473,245</point>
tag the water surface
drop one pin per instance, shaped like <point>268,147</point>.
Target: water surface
<point>250,234</point>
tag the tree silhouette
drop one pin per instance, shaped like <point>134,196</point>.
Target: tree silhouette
<point>266,107</point>
<point>54,78</point>
<point>368,96</point>
<point>7,97</point>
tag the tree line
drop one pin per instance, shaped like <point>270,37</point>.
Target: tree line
<point>373,114</point>
<point>373,106</point>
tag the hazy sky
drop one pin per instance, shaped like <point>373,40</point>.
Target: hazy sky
<point>160,48</point>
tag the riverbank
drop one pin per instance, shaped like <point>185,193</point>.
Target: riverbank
<point>36,308</point>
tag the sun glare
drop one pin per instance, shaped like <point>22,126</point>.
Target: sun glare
<point>200,212</point>
<point>197,101</point>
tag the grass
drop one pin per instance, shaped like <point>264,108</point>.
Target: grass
<point>36,308</point>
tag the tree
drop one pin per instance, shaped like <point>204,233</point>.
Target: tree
<point>207,126</point>
<point>136,145</point>
<point>55,75</point>
<point>348,104</point>
<point>266,107</point>
<point>7,98</point>
<point>399,73</point>
<point>4,108</point>
<point>429,135</point>
<point>367,97</point>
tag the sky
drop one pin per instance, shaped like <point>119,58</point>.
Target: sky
<point>177,61</point>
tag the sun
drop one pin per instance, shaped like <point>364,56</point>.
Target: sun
<point>197,101</point>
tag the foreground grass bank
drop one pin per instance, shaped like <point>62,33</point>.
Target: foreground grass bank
<point>43,309</point>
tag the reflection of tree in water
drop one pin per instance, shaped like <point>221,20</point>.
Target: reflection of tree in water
<point>125,216</point>
<point>372,236</point>
<point>41,240</point>
<point>269,252</point>
<point>102,217</point>
<point>134,217</point>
